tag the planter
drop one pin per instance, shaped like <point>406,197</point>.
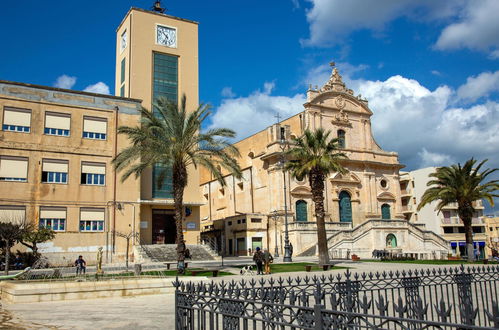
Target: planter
<point>308,268</point>
<point>485,261</point>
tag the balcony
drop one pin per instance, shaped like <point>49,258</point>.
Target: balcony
<point>457,221</point>
<point>405,192</point>
<point>407,209</point>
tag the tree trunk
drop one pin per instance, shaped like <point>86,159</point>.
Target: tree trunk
<point>179,183</point>
<point>468,232</point>
<point>317,187</point>
<point>7,257</point>
<point>465,211</point>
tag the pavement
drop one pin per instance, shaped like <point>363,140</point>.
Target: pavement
<point>144,312</point>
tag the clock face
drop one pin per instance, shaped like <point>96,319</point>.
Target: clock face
<point>166,36</point>
<point>123,41</point>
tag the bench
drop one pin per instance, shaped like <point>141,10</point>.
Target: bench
<point>213,270</point>
<point>173,263</point>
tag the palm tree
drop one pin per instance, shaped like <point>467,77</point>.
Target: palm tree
<point>462,185</point>
<point>316,155</point>
<point>171,137</point>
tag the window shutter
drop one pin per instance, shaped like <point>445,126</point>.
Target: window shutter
<point>12,213</point>
<point>95,125</point>
<point>55,165</point>
<point>94,168</point>
<point>57,120</point>
<point>91,214</point>
<point>18,117</point>
<point>52,212</point>
<point>13,167</point>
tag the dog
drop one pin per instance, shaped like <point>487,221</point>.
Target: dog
<point>247,270</point>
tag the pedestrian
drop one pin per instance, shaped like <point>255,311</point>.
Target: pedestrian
<point>267,259</point>
<point>477,254</point>
<point>258,259</point>
<point>81,265</point>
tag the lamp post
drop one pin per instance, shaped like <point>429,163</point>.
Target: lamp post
<point>275,216</point>
<point>287,252</point>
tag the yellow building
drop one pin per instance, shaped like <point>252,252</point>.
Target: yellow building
<point>363,208</point>
<point>446,223</point>
<point>492,232</point>
<point>56,148</point>
<point>157,55</point>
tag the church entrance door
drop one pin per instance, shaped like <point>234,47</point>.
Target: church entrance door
<point>345,207</point>
<point>385,212</point>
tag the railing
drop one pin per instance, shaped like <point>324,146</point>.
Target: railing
<point>457,221</point>
<point>439,298</point>
<point>312,225</point>
<point>406,208</point>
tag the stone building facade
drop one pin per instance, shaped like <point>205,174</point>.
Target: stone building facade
<point>363,207</point>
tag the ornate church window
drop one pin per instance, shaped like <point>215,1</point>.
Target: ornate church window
<point>341,138</point>
<point>345,207</point>
<point>385,212</point>
<point>301,210</point>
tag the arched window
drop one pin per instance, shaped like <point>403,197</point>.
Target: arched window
<point>345,207</point>
<point>341,138</point>
<point>301,210</point>
<point>391,241</point>
<point>385,211</point>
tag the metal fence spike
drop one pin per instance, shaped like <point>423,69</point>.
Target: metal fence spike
<point>400,308</point>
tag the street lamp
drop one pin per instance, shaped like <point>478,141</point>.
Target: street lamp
<point>287,252</point>
<point>275,217</point>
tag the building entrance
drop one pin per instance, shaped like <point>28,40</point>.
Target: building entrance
<point>163,227</point>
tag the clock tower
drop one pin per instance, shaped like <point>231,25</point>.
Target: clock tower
<point>157,56</point>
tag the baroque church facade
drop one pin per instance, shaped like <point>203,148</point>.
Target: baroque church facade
<point>363,207</point>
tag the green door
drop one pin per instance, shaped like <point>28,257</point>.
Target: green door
<point>385,211</point>
<point>345,207</point>
<point>301,210</point>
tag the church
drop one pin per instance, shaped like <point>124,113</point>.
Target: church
<point>363,207</point>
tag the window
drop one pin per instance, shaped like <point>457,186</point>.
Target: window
<point>57,123</point>
<point>13,168</point>
<point>55,171</point>
<point>243,220</point>
<point>165,190</point>
<point>283,133</point>
<point>341,138</point>
<point>122,91</point>
<point>385,212</point>
<point>301,211</point>
<point>123,41</point>
<point>229,223</point>
<point>256,220</point>
<point>14,213</point>
<point>238,221</point>
<point>91,219</point>
<point>16,120</point>
<point>165,77</point>
<point>345,207</point>
<point>93,173</point>
<point>448,230</point>
<point>53,218</point>
<point>383,183</point>
<point>123,65</point>
<point>94,128</point>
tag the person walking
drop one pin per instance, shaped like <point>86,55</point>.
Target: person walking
<point>258,259</point>
<point>267,259</point>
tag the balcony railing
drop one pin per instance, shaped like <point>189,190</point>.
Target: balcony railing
<point>406,208</point>
<point>311,225</point>
<point>457,221</point>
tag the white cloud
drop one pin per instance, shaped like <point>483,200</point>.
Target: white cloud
<point>331,20</point>
<point>227,92</point>
<point>99,88</point>
<point>436,73</point>
<point>478,28</point>
<point>296,4</point>
<point>434,159</point>
<point>65,81</point>
<point>479,86</point>
<point>494,55</point>
<point>250,114</point>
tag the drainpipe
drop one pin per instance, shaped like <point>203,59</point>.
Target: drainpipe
<point>115,178</point>
<point>234,193</point>
<point>251,190</point>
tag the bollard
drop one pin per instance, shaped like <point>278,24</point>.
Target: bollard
<point>137,269</point>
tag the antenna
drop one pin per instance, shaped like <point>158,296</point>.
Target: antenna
<point>157,7</point>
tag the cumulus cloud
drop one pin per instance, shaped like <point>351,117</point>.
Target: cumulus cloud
<point>479,86</point>
<point>227,92</point>
<point>434,158</point>
<point>478,28</point>
<point>331,20</point>
<point>250,114</point>
<point>99,88</point>
<point>65,81</point>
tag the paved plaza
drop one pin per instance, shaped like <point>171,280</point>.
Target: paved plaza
<point>139,312</point>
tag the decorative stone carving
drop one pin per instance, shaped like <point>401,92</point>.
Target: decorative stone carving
<point>340,102</point>
<point>341,118</point>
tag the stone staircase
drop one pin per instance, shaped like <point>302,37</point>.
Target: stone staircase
<point>168,252</point>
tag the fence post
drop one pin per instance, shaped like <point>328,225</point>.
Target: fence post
<point>318,316</point>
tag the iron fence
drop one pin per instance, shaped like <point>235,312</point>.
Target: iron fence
<point>443,298</point>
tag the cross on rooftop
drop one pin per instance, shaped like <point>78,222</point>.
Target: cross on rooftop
<point>278,116</point>
<point>332,64</point>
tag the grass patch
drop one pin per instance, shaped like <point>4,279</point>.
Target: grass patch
<point>297,267</point>
<point>428,262</point>
<point>188,272</point>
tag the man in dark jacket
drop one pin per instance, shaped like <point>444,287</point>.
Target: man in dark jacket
<point>258,259</point>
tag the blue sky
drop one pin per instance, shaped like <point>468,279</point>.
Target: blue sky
<point>430,69</point>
